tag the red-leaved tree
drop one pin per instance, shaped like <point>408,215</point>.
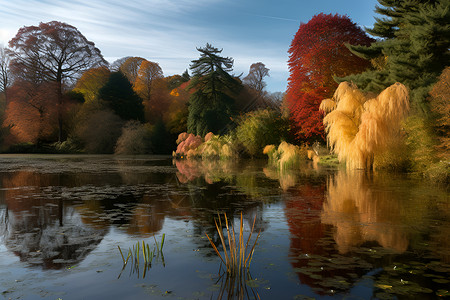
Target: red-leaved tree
<point>317,54</point>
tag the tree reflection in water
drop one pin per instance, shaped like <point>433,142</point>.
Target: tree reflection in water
<point>41,231</point>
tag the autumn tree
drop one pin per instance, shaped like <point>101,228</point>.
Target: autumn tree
<point>121,98</point>
<point>211,105</point>
<point>440,106</point>
<point>130,68</point>
<point>91,82</point>
<point>56,52</point>
<point>148,87</point>
<point>30,112</point>
<point>318,54</point>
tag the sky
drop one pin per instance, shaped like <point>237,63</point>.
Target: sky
<point>169,31</point>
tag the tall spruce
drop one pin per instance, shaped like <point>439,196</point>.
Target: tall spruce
<point>211,106</point>
<point>413,47</point>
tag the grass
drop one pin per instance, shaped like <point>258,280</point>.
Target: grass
<point>236,257</point>
<point>148,254</point>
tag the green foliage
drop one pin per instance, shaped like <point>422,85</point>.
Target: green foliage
<point>260,128</point>
<point>162,142</point>
<point>421,143</point>
<point>413,49</point>
<point>211,106</point>
<point>121,98</point>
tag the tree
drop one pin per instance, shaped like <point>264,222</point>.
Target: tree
<point>5,74</point>
<point>255,77</point>
<point>121,98</point>
<point>254,84</point>
<point>361,128</point>
<point>211,106</point>
<point>318,54</point>
<point>413,49</point>
<point>115,66</point>
<point>56,52</point>
<point>130,68</point>
<point>91,82</point>
<point>440,105</point>
<point>149,75</point>
<point>30,111</point>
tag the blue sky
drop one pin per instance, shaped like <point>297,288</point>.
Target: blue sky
<point>168,31</point>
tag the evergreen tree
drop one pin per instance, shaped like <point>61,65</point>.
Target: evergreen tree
<point>413,47</point>
<point>121,98</point>
<point>211,106</point>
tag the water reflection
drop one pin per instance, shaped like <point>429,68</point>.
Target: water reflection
<point>42,231</point>
<point>340,231</point>
<point>363,208</point>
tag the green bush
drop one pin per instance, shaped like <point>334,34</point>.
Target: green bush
<point>260,128</point>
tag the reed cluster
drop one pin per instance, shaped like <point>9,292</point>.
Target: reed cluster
<point>238,256</point>
<point>134,256</point>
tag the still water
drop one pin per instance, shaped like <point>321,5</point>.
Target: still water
<point>325,234</point>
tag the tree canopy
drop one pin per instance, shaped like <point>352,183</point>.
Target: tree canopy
<point>413,49</point>
<point>121,98</point>
<point>211,106</point>
<point>318,54</point>
<point>53,51</point>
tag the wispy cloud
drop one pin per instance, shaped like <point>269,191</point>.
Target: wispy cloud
<point>167,32</point>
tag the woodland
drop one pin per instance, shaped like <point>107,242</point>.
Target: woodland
<point>377,97</point>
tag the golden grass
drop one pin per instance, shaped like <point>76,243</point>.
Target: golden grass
<point>360,128</point>
<point>236,258</point>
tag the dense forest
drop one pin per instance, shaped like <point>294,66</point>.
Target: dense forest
<point>378,97</point>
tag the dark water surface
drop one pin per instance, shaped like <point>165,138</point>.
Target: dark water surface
<point>324,233</point>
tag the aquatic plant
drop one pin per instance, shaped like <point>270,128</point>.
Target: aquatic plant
<point>360,127</point>
<point>236,258</point>
<point>148,254</point>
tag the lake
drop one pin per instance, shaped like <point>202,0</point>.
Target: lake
<point>324,234</point>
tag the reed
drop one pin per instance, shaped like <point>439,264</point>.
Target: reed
<point>148,254</point>
<point>238,256</point>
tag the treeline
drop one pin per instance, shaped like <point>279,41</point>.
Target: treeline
<point>390,111</point>
<point>60,95</point>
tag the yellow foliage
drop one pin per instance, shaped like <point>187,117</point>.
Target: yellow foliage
<point>327,105</point>
<point>360,128</point>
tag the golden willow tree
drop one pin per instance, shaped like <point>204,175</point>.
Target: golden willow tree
<point>361,127</point>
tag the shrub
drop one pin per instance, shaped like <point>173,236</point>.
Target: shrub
<point>98,131</point>
<point>286,156</point>
<point>260,128</point>
<point>135,139</point>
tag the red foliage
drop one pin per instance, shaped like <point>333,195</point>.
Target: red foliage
<point>317,54</point>
<point>31,110</point>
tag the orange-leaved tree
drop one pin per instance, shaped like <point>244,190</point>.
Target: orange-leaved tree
<point>31,111</point>
<point>317,54</point>
<point>91,82</point>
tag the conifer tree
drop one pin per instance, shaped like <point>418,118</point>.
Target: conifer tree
<point>121,98</point>
<point>413,47</point>
<point>212,104</point>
